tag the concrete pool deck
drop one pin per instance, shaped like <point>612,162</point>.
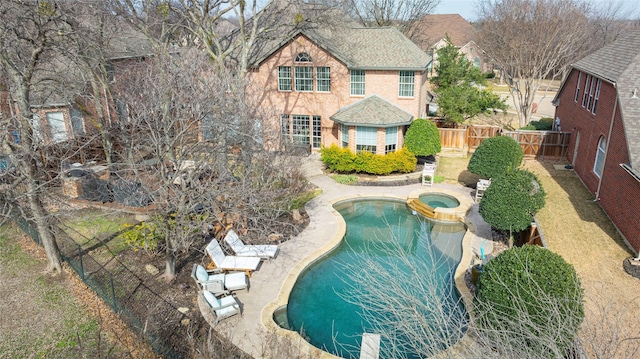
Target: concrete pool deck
<point>255,332</point>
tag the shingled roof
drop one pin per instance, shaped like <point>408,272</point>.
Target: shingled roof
<point>383,48</point>
<point>619,63</point>
<point>431,28</point>
<point>372,111</point>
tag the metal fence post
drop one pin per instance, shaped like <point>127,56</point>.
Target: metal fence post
<point>81,264</point>
<point>113,294</point>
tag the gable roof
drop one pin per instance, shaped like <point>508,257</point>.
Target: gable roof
<point>619,63</point>
<point>431,28</point>
<point>356,46</point>
<point>372,111</point>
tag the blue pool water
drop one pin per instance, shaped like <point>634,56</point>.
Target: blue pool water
<point>436,200</point>
<point>329,306</point>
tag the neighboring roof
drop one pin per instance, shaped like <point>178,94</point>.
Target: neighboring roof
<point>128,43</point>
<point>382,48</point>
<point>372,111</point>
<point>619,63</point>
<point>431,28</point>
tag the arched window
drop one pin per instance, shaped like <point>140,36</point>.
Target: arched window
<point>598,166</point>
<point>303,57</point>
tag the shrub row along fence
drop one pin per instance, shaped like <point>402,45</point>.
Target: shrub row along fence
<point>142,309</point>
<point>535,144</point>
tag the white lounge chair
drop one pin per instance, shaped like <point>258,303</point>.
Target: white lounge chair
<point>218,283</point>
<point>244,250</point>
<point>230,263</point>
<point>222,308</point>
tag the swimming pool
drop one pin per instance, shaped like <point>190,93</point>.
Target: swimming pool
<point>439,200</point>
<point>390,262</point>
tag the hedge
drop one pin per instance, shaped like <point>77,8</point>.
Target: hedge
<point>422,138</point>
<point>529,295</point>
<point>495,156</point>
<point>342,160</point>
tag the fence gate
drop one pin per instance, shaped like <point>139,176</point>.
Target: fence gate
<point>542,144</point>
<point>477,134</point>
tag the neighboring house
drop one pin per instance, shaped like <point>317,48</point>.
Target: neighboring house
<point>431,31</point>
<point>599,103</point>
<point>350,86</point>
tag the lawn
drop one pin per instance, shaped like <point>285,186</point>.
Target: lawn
<point>575,227</point>
<point>39,317</point>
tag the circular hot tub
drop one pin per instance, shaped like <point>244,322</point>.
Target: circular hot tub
<point>439,200</point>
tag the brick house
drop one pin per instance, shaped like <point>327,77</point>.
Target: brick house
<point>599,103</point>
<point>350,86</point>
<point>430,32</point>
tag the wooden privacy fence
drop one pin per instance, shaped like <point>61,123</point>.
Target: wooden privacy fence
<point>542,144</point>
<point>535,144</point>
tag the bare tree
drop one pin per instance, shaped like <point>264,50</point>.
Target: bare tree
<point>532,41</point>
<point>30,32</point>
<point>418,316</point>
<point>399,13</point>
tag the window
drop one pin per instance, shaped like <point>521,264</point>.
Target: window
<point>390,139</point>
<point>357,82</point>
<point>303,57</point>
<point>591,92</point>
<point>77,123</point>
<point>345,136</point>
<point>597,94</point>
<point>316,132</point>
<point>57,126</point>
<point>586,87</point>
<point>285,129</point>
<point>598,166</point>
<point>577,95</point>
<point>405,89</point>
<point>304,78</point>
<point>300,129</point>
<point>323,79</point>
<point>366,139</point>
<point>284,78</point>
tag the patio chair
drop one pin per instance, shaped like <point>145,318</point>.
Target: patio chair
<point>481,186</point>
<point>218,283</point>
<point>428,173</point>
<point>230,263</point>
<point>243,250</point>
<point>222,308</point>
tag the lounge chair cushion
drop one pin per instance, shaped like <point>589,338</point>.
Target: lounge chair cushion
<point>235,281</point>
<point>202,274</point>
<point>211,299</point>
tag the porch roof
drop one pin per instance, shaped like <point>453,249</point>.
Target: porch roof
<point>372,111</point>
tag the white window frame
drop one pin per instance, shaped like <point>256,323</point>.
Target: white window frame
<point>55,118</point>
<point>285,127</point>
<point>301,129</point>
<point>577,95</point>
<point>596,97</point>
<point>323,79</point>
<point>601,153</point>
<point>284,78</point>
<point>303,78</point>
<point>316,131</point>
<point>390,139</point>
<point>584,93</point>
<point>366,139</point>
<point>345,136</point>
<point>357,82</point>
<point>591,91</point>
<point>406,83</point>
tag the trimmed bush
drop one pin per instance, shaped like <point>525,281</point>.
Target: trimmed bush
<point>529,295</point>
<point>545,124</point>
<point>422,138</point>
<point>342,160</point>
<point>512,200</point>
<point>495,156</point>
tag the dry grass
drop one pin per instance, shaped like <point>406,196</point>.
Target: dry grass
<point>578,229</point>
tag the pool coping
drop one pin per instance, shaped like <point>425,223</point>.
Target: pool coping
<point>287,286</point>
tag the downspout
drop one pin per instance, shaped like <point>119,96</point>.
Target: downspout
<point>606,150</point>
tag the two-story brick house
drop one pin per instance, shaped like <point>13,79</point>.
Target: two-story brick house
<point>599,102</point>
<point>350,86</point>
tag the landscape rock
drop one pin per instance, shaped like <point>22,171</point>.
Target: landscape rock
<point>151,269</point>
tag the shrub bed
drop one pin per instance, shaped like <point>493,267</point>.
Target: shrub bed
<point>342,160</point>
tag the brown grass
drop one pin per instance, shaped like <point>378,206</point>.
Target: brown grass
<point>575,227</point>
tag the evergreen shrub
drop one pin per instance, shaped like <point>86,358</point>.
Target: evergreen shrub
<point>342,160</point>
<point>530,295</point>
<point>495,156</point>
<point>422,138</point>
